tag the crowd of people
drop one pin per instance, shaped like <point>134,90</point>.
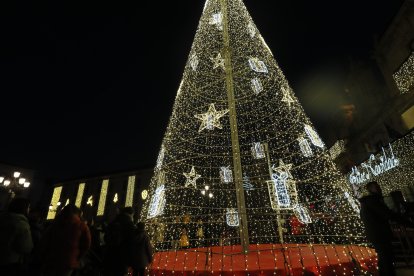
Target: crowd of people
<point>70,246</point>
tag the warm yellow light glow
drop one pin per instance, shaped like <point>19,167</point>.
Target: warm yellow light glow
<point>6,182</point>
<point>79,195</point>
<point>54,202</point>
<point>102,197</point>
<point>130,191</point>
<point>22,180</point>
<point>16,174</point>
<point>404,77</point>
<point>144,194</point>
<point>233,95</point>
<point>408,118</point>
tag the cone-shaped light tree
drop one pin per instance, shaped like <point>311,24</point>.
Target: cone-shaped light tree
<point>240,162</point>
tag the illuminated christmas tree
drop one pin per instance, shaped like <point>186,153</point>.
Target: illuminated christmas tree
<point>240,160</point>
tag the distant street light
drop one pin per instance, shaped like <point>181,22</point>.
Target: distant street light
<point>13,183</point>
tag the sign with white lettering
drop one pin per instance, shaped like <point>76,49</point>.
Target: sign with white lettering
<point>373,167</point>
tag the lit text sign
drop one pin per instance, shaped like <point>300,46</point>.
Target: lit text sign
<point>374,167</point>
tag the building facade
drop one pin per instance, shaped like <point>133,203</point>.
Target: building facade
<point>100,198</point>
<point>394,54</point>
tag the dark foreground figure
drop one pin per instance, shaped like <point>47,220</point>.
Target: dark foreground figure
<point>376,216</point>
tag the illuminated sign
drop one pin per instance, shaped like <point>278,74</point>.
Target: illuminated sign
<point>373,167</point>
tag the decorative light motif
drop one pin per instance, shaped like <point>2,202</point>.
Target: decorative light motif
<point>160,177</point>
<point>257,86</point>
<point>374,167</point>
<point>258,151</point>
<point>217,19</point>
<point>226,175</point>
<point>302,214</point>
<point>54,202</point>
<point>129,200</point>
<point>232,217</point>
<point>79,195</point>
<point>313,136</point>
<point>352,202</point>
<point>191,178</point>
<point>247,186</point>
<point>305,147</point>
<point>280,189</point>
<point>115,200</point>
<point>398,178</point>
<point>67,201</point>
<point>194,62</point>
<point>211,119</point>
<point>102,197</point>
<point>251,29</point>
<point>144,194</point>
<point>157,204</point>
<point>257,65</point>
<point>90,201</point>
<point>160,158</point>
<point>287,98</point>
<point>404,77</point>
<point>283,169</point>
<point>218,61</point>
<point>337,149</point>
<point>250,118</point>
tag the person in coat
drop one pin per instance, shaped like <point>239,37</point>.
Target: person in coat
<point>15,238</point>
<point>142,251</point>
<point>64,243</point>
<point>119,238</point>
<point>376,216</point>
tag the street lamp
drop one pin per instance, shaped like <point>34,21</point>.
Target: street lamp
<point>14,183</point>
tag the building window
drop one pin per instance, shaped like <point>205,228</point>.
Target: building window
<point>79,195</point>
<point>404,76</point>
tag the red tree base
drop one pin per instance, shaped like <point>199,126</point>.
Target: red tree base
<point>266,259</point>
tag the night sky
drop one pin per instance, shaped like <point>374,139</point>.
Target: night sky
<point>88,86</point>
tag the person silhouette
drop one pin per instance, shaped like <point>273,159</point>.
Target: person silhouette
<point>375,216</point>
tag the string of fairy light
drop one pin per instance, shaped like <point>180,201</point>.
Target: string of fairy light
<point>404,76</point>
<point>397,172</point>
<point>193,183</point>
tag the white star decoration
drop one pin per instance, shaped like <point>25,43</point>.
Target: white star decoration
<point>218,61</point>
<point>192,177</point>
<point>283,170</point>
<point>287,98</point>
<point>211,118</point>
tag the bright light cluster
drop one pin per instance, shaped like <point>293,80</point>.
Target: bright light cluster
<point>286,172</point>
<point>392,168</point>
<point>102,197</point>
<point>54,203</point>
<point>130,191</point>
<point>79,195</point>
<point>337,148</point>
<point>404,77</point>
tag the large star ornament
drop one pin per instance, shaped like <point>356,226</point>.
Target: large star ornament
<point>283,171</point>
<point>192,177</point>
<point>211,118</point>
<point>218,61</point>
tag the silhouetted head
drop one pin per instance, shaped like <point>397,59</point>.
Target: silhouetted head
<point>68,211</point>
<point>127,211</point>
<point>19,206</point>
<point>374,188</point>
<point>140,226</point>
